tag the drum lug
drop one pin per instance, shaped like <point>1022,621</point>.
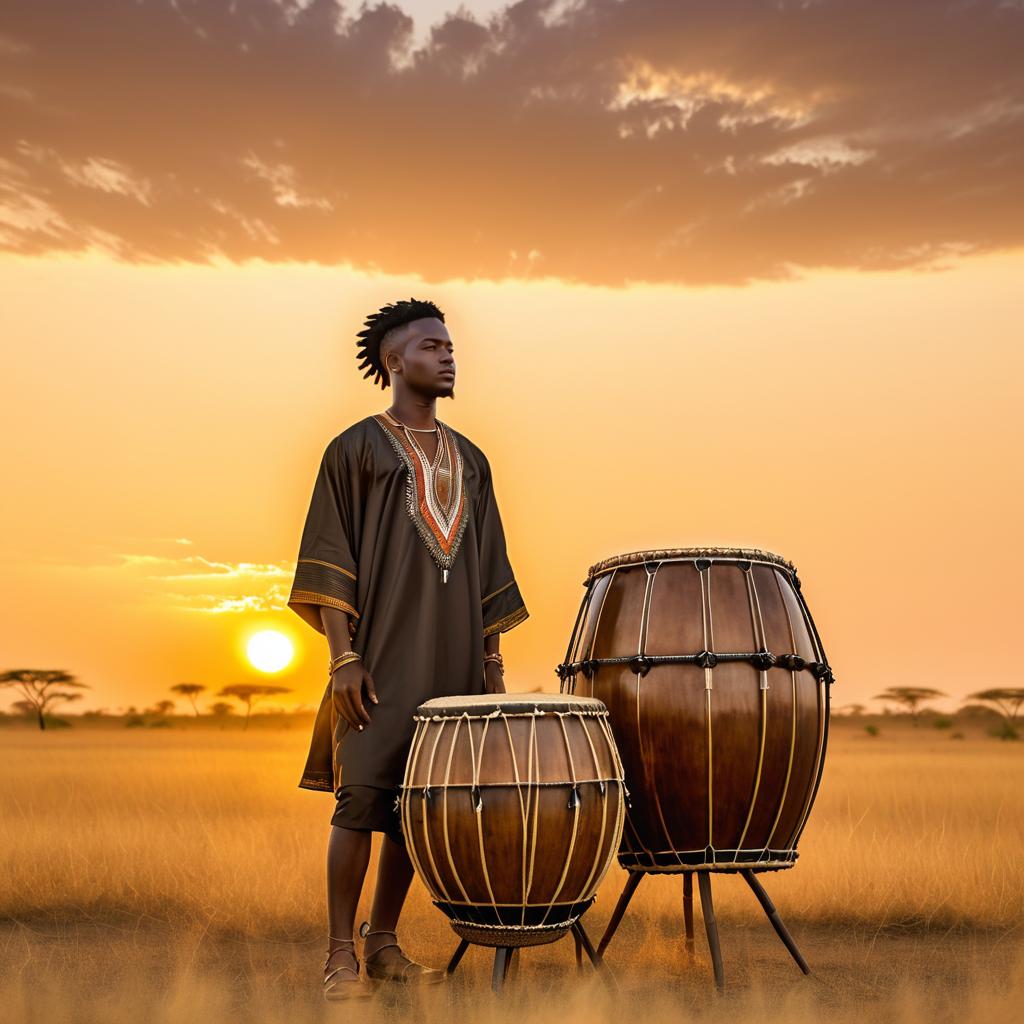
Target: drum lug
<point>574,797</point>
<point>478,801</point>
<point>706,659</point>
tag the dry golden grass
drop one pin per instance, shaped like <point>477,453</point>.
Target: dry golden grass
<point>171,874</point>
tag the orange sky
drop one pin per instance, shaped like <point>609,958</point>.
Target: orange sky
<point>703,290</point>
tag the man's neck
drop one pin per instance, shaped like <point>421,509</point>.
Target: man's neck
<point>413,410</point>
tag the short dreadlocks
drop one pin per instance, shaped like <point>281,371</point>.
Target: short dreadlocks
<point>378,324</point>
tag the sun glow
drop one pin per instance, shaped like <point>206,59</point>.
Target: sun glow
<point>269,651</point>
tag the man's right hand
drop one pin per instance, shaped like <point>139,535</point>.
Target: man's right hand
<point>347,685</point>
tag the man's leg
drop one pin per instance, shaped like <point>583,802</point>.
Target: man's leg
<point>394,873</point>
<point>348,855</point>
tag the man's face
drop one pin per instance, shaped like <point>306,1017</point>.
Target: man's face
<point>426,357</point>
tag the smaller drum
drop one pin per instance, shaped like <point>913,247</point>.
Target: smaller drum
<point>512,809</point>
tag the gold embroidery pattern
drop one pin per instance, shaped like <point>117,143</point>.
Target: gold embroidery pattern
<point>309,597</point>
<point>330,565</point>
<point>495,593</point>
<point>510,620</point>
<point>440,522</point>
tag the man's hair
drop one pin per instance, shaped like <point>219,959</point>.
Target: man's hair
<point>379,324</point>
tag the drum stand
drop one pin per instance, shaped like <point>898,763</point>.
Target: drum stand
<point>708,909</point>
<point>506,958</point>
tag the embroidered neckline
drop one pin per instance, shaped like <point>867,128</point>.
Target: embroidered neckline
<point>439,523</point>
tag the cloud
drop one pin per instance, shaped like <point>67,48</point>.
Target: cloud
<point>596,141</point>
<point>194,583</point>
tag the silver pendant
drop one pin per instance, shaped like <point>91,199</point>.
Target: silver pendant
<point>444,575</point>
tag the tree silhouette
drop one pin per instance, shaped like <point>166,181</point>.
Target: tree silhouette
<point>249,693</point>
<point>191,691</point>
<point>220,710</point>
<point>1006,700</point>
<point>909,697</point>
<point>163,707</point>
<point>38,686</point>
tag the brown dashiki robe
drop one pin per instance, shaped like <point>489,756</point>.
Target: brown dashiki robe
<point>415,553</point>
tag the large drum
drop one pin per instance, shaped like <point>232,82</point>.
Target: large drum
<point>718,692</point>
<point>512,809</point>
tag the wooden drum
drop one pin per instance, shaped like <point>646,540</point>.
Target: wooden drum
<point>717,688</point>
<point>512,809</point>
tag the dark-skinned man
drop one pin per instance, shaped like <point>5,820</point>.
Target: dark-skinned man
<point>403,567</point>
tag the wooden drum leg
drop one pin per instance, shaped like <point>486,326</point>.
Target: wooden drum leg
<point>688,910</point>
<point>711,926</point>
<point>501,958</point>
<point>620,908</point>
<point>594,954</point>
<point>773,916</point>
<point>457,956</point>
<point>579,950</point>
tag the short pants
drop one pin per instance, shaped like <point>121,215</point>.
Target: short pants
<point>370,809</point>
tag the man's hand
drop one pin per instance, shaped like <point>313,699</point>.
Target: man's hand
<point>347,686</point>
<point>494,681</point>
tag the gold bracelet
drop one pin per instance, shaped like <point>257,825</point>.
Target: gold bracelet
<point>342,659</point>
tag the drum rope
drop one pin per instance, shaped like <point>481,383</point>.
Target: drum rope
<point>523,816</point>
<point>709,643</point>
<point>574,802</point>
<point>410,774</point>
<point>823,699</point>
<point>641,644</point>
<point>604,811</point>
<point>444,808</point>
<point>478,803</point>
<point>426,829</point>
<point>757,622</point>
<point>792,735</point>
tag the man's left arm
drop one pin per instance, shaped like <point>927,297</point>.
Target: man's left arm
<point>503,605</point>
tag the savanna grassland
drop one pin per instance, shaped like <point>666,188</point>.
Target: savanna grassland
<point>177,875</point>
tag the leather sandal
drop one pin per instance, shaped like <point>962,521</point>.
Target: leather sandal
<point>349,988</point>
<point>405,970</point>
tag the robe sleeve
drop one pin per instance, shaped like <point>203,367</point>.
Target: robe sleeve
<point>503,605</point>
<point>325,570</point>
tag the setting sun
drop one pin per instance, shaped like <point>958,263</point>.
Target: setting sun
<point>269,650</point>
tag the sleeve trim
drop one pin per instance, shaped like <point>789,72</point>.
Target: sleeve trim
<point>507,621</point>
<point>494,593</point>
<point>310,597</point>
<point>330,565</point>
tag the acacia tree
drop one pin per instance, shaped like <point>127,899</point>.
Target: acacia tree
<point>1005,699</point>
<point>39,687</point>
<point>910,697</point>
<point>163,707</point>
<point>249,693</point>
<point>191,691</point>
<point>220,710</point>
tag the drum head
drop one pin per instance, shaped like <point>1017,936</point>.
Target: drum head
<point>689,554</point>
<point>508,703</point>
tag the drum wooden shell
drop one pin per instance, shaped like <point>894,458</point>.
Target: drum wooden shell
<point>717,689</point>
<point>512,809</point>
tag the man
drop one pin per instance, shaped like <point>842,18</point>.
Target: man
<point>402,566</point>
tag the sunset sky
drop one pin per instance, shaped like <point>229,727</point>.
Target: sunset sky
<point>716,272</point>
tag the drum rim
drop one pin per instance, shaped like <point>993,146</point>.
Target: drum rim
<point>477,701</point>
<point>725,554</point>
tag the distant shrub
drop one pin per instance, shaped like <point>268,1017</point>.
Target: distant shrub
<point>943,723</point>
<point>871,730</point>
<point>1004,731</point>
<point>161,723</point>
<point>134,722</point>
<point>957,736</point>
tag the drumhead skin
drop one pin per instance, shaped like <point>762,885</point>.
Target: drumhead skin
<point>717,689</point>
<point>513,703</point>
